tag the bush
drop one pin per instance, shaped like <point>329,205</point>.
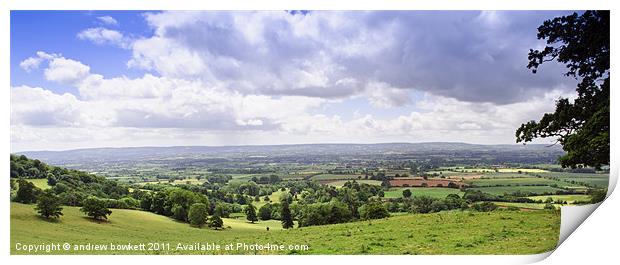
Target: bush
<point>95,208</point>
<point>197,214</point>
<point>48,205</point>
<point>264,213</point>
<point>215,221</point>
<point>422,204</point>
<point>27,192</point>
<point>484,207</point>
<point>373,210</point>
<point>438,206</point>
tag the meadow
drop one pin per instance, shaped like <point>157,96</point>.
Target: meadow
<point>535,190</point>
<point>592,179</point>
<point>341,183</point>
<point>336,176</point>
<point>569,198</point>
<point>523,181</point>
<point>438,193</point>
<point>498,232</point>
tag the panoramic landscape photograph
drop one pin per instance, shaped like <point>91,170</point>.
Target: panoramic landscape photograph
<point>304,132</point>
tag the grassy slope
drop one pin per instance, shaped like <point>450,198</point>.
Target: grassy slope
<point>457,233</point>
<point>439,193</point>
<point>571,198</point>
<point>518,181</point>
<point>341,183</point>
<point>511,189</point>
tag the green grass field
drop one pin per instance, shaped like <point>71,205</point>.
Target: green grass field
<point>40,183</point>
<point>595,180</point>
<point>341,183</point>
<point>536,190</point>
<point>439,193</point>
<point>499,232</point>
<point>571,198</point>
<point>273,197</point>
<point>501,170</point>
<point>337,176</point>
<point>533,206</point>
<point>517,182</point>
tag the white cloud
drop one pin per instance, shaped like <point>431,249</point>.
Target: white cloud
<point>66,71</point>
<point>31,63</point>
<point>39,107</point>
<point>471,56</point>
<point>108,20</point>
<point>103,36</point>
<point>267,77</point>
<point>381,95</point>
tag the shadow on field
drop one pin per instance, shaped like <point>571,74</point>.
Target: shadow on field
<point>49,220</point>
<point>98,221</point>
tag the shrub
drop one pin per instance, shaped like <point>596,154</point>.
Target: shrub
<point>373,210</point>
<point>197,214</point>
<point>95,208</point>
<point>48,205</point>
<point>484,207</point>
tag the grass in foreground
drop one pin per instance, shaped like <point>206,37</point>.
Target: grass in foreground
<point>500,232</point>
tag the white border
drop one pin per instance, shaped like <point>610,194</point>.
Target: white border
<point>587,250</point>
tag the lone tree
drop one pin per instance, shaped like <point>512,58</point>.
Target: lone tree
<point>215,221</point>
<point>581,42</point>
<point>407,193</point>
<point>95,208</point>
<point>287,218</point>
<point>250,213</point>
<point>197,214</point>
<point>48,205</point>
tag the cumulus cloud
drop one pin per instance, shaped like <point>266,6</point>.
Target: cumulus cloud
<point>268,77</point>
<point>103,36</point>
<point>31,63</point>
<point>66,71</point>
<point>470,56</point>
<point>39,107</point>
<point>108,20</point>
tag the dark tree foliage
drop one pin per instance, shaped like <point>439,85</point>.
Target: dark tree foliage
<point>198,214</point>
<point>581,42</point>
<point>250,213</point>
<point>287,218</point>
<point>95,208</point>
<point>407,193</point>
<point>27,192</point>
<point>48,205</point>
<point>598,196</point>
<point>215,221</point>
<point>264,213</point>
<point>374,210</point>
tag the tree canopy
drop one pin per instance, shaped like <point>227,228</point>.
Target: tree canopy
<point>581,42</point>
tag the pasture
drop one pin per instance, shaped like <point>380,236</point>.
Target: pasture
<point>439,193</point>
<point>570,198</point>
<point>523,181</point>
<point>40,183</point>
<point>337,176</point>
<point>592,179</point>
<point>534,190</point>
<point>499,232</point>
<point>341,183</point>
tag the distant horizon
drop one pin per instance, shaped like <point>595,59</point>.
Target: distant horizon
<point>294,144</point>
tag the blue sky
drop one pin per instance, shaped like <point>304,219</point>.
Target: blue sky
<point>129,78</point>
<point>33,31</point>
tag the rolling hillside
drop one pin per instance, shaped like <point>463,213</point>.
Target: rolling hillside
<point>500,232</point>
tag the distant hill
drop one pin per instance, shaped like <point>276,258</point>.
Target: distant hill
<point>306,150</point>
